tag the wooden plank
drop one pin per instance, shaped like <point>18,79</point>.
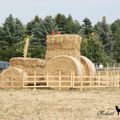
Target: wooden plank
<point>71,80</point>
<point>12,78</point>
<point>35,80</point>
<point>88,86</point>
<point>47,79</point>
<point>73,83</point>
<point>23,78</point>
<point>36,87</point>
<point>59,80</point>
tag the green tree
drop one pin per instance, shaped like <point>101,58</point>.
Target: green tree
<point>11,33</point>
<point>61,22</point>
<point>116,39</point>
<point>39,32</point>
<point>76,27</point>
<point>86,28</point>
<point>93,49</point>
<point>71,27</point>
<point>30,25</point>
<point>50,24</point>
<point>105,34</point>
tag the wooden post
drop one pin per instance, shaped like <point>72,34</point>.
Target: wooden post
<point>1,80</point>
<point>35,80</point>
<point>114,75</point>
<point>23,78</point>
<point>118,79</point>
<point>107,75</point>
<point>90,81</point>
<point>119,75</point>
<point>81,88</point>
<point>99,81</point>
<point>47,80</point>
<point>73,80</point>
<point>11,79</point>
<point>59,80</point>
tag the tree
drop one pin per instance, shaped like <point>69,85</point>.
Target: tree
<point>39,32</point>
<point>50,25</point>
<point>116,39</point>
<point>69,25</point>
<point>11,33</point>
<point>92,48</point>
<point>105,34</point>
<point>61,22</point>
<point>30,25</point>
<point>86,28</point>
<point>76,27</point>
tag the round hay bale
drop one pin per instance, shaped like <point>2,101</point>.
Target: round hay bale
<point>65,64</point>
<point>12,77</point>
<point>88,66</point>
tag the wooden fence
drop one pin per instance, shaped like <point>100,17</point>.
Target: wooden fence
<point>103,79</point>
<point>75,82</point>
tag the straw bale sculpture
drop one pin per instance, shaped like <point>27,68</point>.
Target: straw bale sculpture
<point>63,54</point>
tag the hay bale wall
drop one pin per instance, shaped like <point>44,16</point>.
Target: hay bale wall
<point>63,45</point>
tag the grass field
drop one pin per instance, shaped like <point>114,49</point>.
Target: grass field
<point>59,105</point>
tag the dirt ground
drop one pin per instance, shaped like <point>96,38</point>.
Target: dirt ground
<point>32,104</point>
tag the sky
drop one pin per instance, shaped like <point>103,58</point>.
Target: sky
<point>25,10</point>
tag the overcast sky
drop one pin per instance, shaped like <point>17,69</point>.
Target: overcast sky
<point>25,10</point>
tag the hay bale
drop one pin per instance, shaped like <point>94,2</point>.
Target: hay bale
<point>88,66</point>
<point>65,64</point>
<point>63,45</point>
<point>53,53</point>
<point>63,42</point>
<point>29,65</point>
<point>12,74</point>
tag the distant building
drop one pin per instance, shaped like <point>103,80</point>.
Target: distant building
<point>4,65</point>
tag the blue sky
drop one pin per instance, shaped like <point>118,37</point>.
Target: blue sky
<point>25,10</point>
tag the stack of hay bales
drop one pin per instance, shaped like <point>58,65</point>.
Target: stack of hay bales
<point>63,54</point>
<point>63,45</point>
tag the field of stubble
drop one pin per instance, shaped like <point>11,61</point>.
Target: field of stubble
<point>59,105</point>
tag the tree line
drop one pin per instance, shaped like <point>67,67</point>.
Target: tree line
<point>100,43</point>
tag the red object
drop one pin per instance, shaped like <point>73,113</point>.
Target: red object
<point>53,33</point>
<point>58,33</point>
